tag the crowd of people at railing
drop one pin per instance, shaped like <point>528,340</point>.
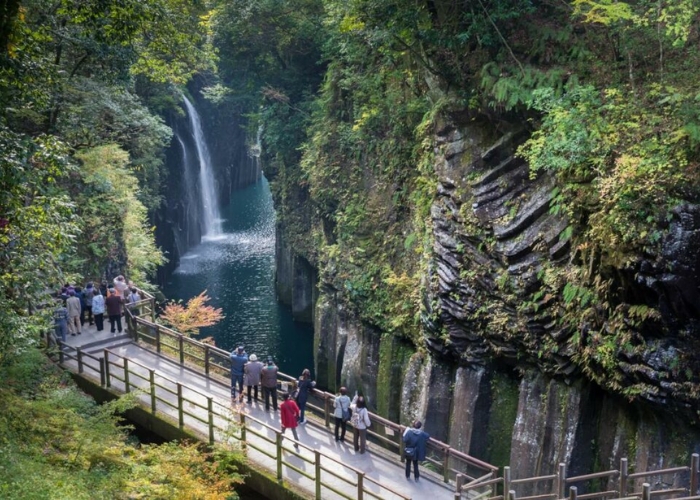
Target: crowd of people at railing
<point>77,305</point>
<point>248,371</point>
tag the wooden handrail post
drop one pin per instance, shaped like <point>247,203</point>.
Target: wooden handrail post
<point>136,330</point>
<point>402,445</point>
<point>573,493</point>
<point>153,309</point>
<point>279,456</point>
<point>624,472</point>
<point>106,358</point>
<point>102,371</point>
<point>694,470</point>
<point>561,481</point>
<point>459,481</point>
<point>126,375</point>
<point>152,380</point>
<point>317,463</point>
<point>206,360</point>
<point>646,491</point>
<point>327,411</point>
<point>181,346</point>
<point>360,485</point>
<point>446,465</point>
<point>243,429</point>
<point>180,407</point>
<point>80,360</point>
<point>210,409</point>
<point>511,495</point>
<point>506,481</point>
<point>158,339</point>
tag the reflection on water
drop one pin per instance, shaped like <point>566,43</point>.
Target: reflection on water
<point>237,270</point>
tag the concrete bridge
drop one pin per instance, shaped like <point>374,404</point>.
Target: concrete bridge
<point>184,385</point>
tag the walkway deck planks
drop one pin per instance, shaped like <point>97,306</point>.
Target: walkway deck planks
<point>377,467</point>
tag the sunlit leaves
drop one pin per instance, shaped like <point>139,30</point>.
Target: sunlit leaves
<point>190,318</point>
<point>115,221</point>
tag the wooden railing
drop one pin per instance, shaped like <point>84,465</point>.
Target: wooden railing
<point>202,413</point>
<point>487,488</point>
<point>211,361</point>
<point>473,478</point>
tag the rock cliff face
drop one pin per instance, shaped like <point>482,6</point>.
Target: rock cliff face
<point>178,222</point>
<point>500,378</point>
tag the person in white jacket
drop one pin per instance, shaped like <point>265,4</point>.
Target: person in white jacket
<point>360,422</point>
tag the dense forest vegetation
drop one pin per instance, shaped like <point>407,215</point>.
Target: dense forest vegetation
<point>604,91</point>
<point>349,95</point>
<point>83,86</point>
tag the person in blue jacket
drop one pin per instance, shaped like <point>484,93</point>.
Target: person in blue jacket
<point>415,441</point>
<point>238,360</point>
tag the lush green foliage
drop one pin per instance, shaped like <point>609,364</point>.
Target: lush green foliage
<point>80,168</point>
<point>57,443</point>
<point>606,87</point>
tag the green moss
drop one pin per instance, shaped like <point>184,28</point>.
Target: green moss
<point>504,408</point>
<point>393,359</point>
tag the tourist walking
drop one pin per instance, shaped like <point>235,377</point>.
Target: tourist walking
<point>252,371</point>
<point>60,320</point>
<point>114,311</point>
<point>289,413</point>
<point>415,440</point>
<point>73,307</point>
<point>89,294</point>
<point>360,422</point>
<point>238,360</point>
<point>268,381</point>
<point>342,413</point>
<point>98,310</point>
<point>304,386</point>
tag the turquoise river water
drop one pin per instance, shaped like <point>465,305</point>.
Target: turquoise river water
<point>237,270</point>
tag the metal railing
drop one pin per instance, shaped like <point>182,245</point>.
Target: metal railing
<point>190,408</point>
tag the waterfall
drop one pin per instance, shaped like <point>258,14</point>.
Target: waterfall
<point>211,220</point>
<point>191,203</point>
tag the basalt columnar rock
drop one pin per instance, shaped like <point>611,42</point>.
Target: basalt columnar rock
<point>501,378</point>
<point>495,240</point>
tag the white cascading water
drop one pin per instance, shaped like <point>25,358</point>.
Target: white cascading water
<point>211,219</point>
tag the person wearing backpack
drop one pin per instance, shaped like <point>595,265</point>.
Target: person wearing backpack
<point>360,422</point>
<point>415,441</point>
<point>342,413</point>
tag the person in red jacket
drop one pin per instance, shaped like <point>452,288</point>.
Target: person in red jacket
<point>289,412</point>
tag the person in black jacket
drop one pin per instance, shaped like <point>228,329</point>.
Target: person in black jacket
<point>415,441</point>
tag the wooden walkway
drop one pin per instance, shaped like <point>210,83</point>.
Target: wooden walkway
<point>202,404</point>
<point>188,382</point>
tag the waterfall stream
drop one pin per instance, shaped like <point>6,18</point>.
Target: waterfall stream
<point>211,218</point>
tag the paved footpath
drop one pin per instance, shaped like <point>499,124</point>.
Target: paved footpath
<point>377,464</point>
